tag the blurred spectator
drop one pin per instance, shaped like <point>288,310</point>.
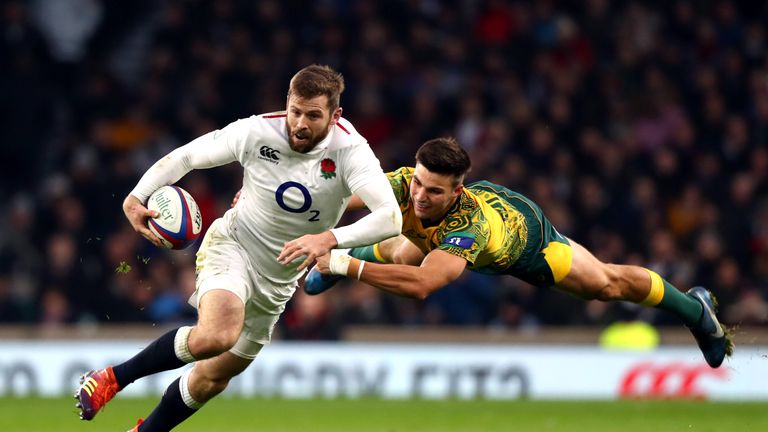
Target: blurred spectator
<point>55,309</point>
<point>169,300</point>
<point>10,310</point>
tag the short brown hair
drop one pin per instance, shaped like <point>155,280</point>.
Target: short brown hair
<point>444,156</point>
<point>318,80</point>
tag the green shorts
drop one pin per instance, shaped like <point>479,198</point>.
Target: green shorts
<point>547,256</point>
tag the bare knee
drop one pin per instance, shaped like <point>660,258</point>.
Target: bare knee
<point>205,342</point>
<point>399,258</point>
<point>407,254</point>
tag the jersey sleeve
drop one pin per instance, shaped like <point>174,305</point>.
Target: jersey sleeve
<point>363,176</point>
<point>361,167</point>
<point>465,234</point>
<point>384,221</point>
<point>233,139</point>
<point>213,149</point>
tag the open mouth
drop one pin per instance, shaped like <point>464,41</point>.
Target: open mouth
<point>301,136</point>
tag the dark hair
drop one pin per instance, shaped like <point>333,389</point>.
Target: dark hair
<point>318,80</point>
<point>444,156</point>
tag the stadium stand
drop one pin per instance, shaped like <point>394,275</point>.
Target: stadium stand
<point>640,127</point>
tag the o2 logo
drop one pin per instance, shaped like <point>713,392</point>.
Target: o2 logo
<point>280,192</point>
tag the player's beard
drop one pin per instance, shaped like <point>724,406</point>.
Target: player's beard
<point>306,142</point>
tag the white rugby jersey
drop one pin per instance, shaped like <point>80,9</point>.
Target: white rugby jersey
<point>285,194</point>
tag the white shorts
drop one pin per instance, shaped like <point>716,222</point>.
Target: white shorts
<point>222,263</point>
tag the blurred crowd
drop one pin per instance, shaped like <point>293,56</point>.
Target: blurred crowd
<point>641,128</point>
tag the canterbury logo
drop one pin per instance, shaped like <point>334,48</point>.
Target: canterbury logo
<point>90,386</point>
<point>269,153</point>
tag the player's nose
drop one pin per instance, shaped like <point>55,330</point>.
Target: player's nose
<point>301,122</point>
<point>418,195</point>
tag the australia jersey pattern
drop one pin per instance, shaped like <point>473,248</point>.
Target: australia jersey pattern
<point>481,227</point>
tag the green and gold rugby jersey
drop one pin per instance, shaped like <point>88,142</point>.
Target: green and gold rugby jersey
<point>482,227</point>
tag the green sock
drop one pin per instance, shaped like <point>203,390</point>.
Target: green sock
<point>686,307</point>
<point>665,296</point>
<point>366,253</point>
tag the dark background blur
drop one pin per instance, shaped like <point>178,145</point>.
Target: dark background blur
<point>641,128</point>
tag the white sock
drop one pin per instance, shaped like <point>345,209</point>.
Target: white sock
<point>181,344</point>
<point>184,389</point>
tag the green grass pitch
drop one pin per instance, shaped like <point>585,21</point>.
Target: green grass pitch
<point>339,415</point>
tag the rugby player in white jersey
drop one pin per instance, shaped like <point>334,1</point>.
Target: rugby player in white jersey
<point>301,167</point>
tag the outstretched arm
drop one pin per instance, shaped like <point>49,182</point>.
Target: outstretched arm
<point>438,269</point>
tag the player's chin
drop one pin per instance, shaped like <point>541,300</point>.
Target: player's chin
<point>301,145</point>
<point>421,214</point>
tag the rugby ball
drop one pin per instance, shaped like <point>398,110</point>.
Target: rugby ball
<point>180,221</point>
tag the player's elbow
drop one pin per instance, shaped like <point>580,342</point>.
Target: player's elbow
<point>422,290</point>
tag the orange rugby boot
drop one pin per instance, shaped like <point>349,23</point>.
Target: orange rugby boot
<point>96,389</point>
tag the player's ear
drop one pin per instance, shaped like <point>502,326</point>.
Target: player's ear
<point>459,180</point>
<point>336,115</point>
<point>457,190</point>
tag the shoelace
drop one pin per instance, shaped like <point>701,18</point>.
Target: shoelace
<point>105,391</point>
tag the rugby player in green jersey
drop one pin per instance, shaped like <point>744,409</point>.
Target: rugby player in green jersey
<point>449,226</point>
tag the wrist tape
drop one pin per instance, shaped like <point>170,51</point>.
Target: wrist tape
<point>339,262</point>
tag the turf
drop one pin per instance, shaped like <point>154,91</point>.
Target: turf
<point>268,415</point>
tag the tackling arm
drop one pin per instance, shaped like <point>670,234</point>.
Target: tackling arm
<point>438,269</point>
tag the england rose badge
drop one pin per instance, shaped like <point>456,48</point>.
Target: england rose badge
<point>327,168</point>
